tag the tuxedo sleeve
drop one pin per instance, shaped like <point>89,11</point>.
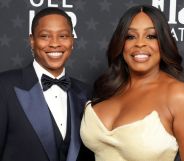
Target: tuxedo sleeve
<point>177,158</point>
<point>3,118</point>
<point>85,154</point>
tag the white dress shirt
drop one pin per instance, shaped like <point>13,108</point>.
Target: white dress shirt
<point>56,99</point>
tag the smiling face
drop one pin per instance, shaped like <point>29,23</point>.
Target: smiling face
<point>141,51</point>
<point>52,42</point>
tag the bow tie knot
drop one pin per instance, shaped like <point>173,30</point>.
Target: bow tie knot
<point>64,82</point>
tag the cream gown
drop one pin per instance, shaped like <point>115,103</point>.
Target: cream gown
<point>142,140</point>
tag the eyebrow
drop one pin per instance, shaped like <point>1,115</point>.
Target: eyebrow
<point>48,30</point>
<point>148,28</point>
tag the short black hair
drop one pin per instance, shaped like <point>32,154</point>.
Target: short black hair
<point>49,11</point>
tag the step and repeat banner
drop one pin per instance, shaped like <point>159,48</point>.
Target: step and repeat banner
<point>94,22</point>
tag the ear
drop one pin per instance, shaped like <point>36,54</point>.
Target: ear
<point>73,39</point>
<point>31,41</point>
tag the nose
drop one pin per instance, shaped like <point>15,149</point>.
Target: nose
<point>54,42</point>
<point>140,42</point>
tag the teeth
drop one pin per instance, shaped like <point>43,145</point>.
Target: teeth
<point>55,54</point>
<point>140,56</point>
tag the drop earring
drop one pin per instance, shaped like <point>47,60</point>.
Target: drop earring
<point>32,52</point>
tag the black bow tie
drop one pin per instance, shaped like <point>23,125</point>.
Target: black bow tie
<point>63,82</point>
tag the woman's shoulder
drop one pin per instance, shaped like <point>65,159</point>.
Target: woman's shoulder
<point>172,84</point>
<point>175,94</point>
<point>106,107</point>
<point>103,104</point>
<point>175,86</point>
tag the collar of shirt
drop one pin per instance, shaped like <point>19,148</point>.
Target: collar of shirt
<point>40,70</point>
<point>56,99</point>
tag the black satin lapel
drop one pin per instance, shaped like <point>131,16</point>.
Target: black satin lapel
<point>75,111</point>
<point>36,110</point>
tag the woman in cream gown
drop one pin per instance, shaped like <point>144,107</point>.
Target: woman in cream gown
<point>137,110</point>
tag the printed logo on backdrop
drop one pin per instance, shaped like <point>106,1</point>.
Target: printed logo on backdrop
<point>53,3</point>
<point>176,17</point>
<point>94,22</point>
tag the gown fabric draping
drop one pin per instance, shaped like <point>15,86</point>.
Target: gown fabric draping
<point>142,140</point>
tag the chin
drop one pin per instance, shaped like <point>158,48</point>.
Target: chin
<point>56,68</point>
<point>55,65</point>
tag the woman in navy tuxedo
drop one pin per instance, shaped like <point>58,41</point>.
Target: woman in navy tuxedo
<point>40,105</point>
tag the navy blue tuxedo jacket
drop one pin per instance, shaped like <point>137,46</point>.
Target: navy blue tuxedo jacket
<point>26,131</point>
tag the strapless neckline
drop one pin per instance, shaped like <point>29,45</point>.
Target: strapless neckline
<point>141,140</point>
<point>154,114</point>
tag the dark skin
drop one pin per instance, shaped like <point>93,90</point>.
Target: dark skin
<point>150,89</point>
<point>52,43</point>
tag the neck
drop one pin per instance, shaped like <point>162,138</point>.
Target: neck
<point>55,73</point>
<point>139,79</point>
